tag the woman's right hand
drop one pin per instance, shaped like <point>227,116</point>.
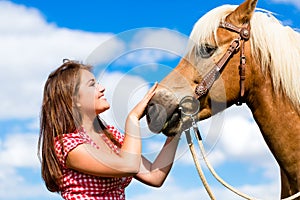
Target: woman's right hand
<point>139,110</point>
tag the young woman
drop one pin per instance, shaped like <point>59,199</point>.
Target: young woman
<point>81,156</point>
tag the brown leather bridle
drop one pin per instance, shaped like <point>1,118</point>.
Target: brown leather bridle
<point>237,44</point>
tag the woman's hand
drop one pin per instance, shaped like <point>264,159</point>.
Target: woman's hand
<point>132,146</point>
<point>139,110</point>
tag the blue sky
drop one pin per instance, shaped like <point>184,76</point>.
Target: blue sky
<point>36,35</point>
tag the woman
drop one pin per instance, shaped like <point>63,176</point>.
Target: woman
<point>81,156</point>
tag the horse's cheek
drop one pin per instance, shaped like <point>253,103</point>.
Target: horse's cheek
<point>218,92</point>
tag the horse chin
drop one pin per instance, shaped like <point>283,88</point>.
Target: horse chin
<point>175,124</point>
<point>172,126</point>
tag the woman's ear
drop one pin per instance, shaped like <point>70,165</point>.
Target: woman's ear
<point>76,102</point>
<point>78,105</point>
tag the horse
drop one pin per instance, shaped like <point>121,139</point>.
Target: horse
<point>239,55</point>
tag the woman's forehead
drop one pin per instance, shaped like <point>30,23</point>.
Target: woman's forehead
<point>86,75</point>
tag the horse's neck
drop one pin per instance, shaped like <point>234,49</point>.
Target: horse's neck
<point>277,119</point>
<point>274,113</point>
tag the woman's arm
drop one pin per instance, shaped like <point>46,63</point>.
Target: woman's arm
<point>104,161</point>
<point>154,174</point>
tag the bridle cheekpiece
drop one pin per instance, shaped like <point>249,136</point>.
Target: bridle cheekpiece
<point>237,44</point>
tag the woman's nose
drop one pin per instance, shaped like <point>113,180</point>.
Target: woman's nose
<point>100,87</point>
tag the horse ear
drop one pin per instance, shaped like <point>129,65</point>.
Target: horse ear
<point>243,13</point>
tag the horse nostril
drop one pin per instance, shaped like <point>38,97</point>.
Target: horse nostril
<point>156,117</point>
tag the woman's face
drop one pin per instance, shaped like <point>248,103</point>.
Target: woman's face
<point>91,98</point>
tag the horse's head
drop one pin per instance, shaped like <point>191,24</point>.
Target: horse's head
<point>205,64</point>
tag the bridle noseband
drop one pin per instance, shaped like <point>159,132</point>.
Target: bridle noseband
<point>244,33</point>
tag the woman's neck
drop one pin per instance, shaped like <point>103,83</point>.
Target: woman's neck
<point>89,122</point>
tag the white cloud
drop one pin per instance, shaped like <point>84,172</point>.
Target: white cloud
<point>14,187</point>
<point>19,150</point>
<point>30,49</point>
<point>143,46</point>
<point>164,39</point>
<point>159,44</point>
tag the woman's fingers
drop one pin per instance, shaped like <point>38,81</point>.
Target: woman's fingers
<point>139,109</point>
<point>151,92</point>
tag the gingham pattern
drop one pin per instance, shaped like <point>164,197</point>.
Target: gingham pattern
<point>80,186</point>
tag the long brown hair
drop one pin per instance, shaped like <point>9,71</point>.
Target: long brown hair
<point>60,115</point>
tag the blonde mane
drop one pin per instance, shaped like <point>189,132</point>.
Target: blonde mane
<point>276,46</point>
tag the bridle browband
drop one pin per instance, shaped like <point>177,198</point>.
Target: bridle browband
<point>237,44</point>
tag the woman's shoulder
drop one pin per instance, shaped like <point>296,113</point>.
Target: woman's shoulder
<point>78,134</point>
<point>66,142</point>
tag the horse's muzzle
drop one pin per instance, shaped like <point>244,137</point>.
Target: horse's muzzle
<point>156,117</point>
<point>159,120</point>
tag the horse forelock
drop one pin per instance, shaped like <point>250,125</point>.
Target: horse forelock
<point>208,24</point>
<point>277,46</point>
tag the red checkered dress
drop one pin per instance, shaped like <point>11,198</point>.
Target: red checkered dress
<point>79,186</point>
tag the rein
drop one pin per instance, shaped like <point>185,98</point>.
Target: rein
<point>237,44</point>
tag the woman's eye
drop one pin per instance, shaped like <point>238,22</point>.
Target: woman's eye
<point>206,50</point>
<point>92,84</point>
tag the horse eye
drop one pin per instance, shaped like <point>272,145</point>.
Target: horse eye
<point>206,50</point>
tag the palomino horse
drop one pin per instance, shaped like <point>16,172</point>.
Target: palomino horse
<point>253,58</point>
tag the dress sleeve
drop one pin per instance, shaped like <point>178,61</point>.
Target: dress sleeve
<point>66,144</point>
